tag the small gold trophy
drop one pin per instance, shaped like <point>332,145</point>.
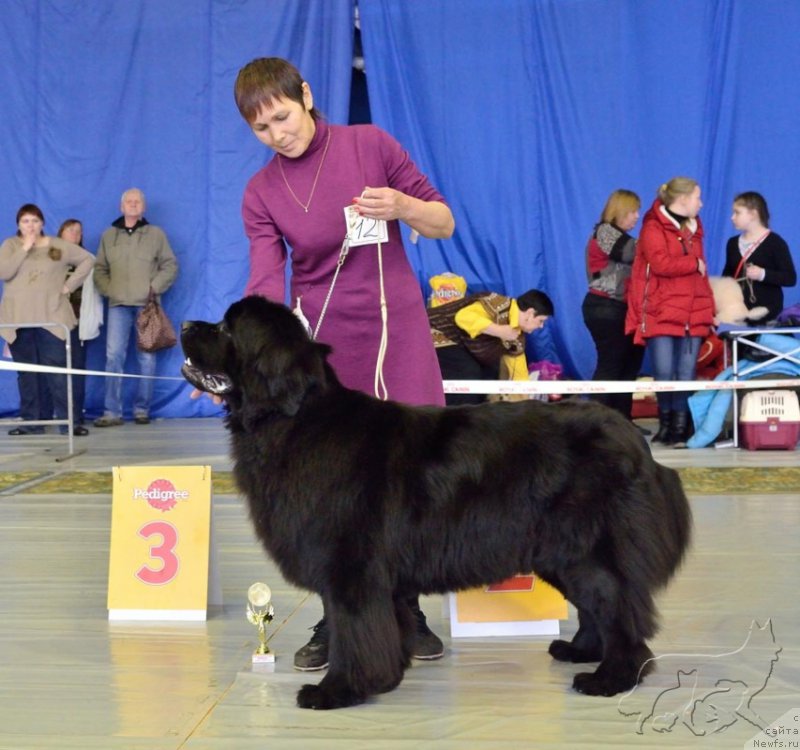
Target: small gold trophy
<point>259,613</point>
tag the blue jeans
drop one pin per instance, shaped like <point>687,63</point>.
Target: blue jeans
<point>78,354</point>
<point>673,358</point>
<point>121,322</point>
<point>40,393</point>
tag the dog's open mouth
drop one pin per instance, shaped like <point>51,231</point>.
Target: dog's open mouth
<point>215,383</point>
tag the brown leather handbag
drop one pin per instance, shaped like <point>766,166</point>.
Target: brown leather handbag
<point>154,330</point>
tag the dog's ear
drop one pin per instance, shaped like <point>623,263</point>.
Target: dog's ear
<point>280,378</point>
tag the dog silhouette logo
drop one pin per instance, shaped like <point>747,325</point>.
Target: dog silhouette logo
<point>709,692</point>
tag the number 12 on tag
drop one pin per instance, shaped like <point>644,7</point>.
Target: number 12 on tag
<point>362,230</point>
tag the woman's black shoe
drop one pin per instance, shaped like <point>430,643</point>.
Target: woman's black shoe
<point>680,429</point>
<point>78,430</point>
<point>26,431</point>
<point>664,424</point>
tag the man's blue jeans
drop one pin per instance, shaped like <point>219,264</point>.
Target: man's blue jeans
<point>119,326</point>
<point>673,358</point>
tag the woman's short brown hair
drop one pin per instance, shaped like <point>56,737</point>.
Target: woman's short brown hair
<point>29,209</point>
<point>265,79</point>
<point>619,204</point>
<point>68,223</point>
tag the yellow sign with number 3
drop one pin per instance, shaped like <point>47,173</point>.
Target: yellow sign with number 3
<point>160,539</point>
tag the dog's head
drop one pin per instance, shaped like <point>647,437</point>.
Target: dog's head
<point>259,358</point>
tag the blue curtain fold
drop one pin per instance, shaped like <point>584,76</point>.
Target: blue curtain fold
<point>526,114</point>
<point>100,97</point>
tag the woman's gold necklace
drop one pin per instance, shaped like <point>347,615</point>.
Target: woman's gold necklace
<point>302,205</point>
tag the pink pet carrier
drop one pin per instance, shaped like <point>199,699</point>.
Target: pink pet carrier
<point>770,420</point>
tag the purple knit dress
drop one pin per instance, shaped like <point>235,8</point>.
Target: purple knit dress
<point>358,156</point>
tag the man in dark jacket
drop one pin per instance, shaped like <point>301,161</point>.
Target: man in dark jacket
<point>134,259</point>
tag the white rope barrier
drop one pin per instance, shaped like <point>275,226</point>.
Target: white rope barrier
<point>10,365</point>
<point>569,387</point>
<point>524,387</point>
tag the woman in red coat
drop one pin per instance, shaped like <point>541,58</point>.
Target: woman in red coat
<point>670,304</point>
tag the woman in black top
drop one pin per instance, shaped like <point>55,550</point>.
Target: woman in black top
<point>758,257</point>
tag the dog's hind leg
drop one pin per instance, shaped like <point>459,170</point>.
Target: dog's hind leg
<point>366,654</point>
<point>585,646</point>
<point>333,692</point>
<point>625,666</point>
<point>614,615</point>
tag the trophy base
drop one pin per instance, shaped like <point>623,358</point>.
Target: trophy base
<point>268,658</point>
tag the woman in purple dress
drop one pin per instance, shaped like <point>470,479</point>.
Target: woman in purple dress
<point>299,199</point>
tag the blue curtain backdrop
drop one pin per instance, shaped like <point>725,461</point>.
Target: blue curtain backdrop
<point>524,113</point>
<point>100,97</point>
<point>527,114</point>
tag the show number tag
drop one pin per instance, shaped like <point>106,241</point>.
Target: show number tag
<point>362,230</point>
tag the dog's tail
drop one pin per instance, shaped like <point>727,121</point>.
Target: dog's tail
<point>678,520</point>
<point>667,528</point>
<point>658,540</point>
<point>756,313</point>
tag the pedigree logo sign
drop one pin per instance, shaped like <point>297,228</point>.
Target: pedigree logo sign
<point>160,543</point>
<point>161,494</point>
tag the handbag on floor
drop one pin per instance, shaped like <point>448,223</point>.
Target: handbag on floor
<point>154,330</point>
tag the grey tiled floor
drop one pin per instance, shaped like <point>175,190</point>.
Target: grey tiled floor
<point>69,679</point>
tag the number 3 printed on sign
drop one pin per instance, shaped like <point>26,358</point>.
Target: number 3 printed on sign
<point>362,230</point>
<point>163,552</point>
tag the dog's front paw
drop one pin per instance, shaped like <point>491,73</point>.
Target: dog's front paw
<point>597,683</point>
<point>322,699</point>
<point>310,696</point>
<point>565,651</point>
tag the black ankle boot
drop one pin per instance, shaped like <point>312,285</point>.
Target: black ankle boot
<point>679,429</point>
<point>664,421</point>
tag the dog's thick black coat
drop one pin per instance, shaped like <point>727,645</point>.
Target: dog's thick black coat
<point>368,502</point>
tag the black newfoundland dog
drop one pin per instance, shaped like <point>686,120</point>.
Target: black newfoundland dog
<point>369,502</point>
